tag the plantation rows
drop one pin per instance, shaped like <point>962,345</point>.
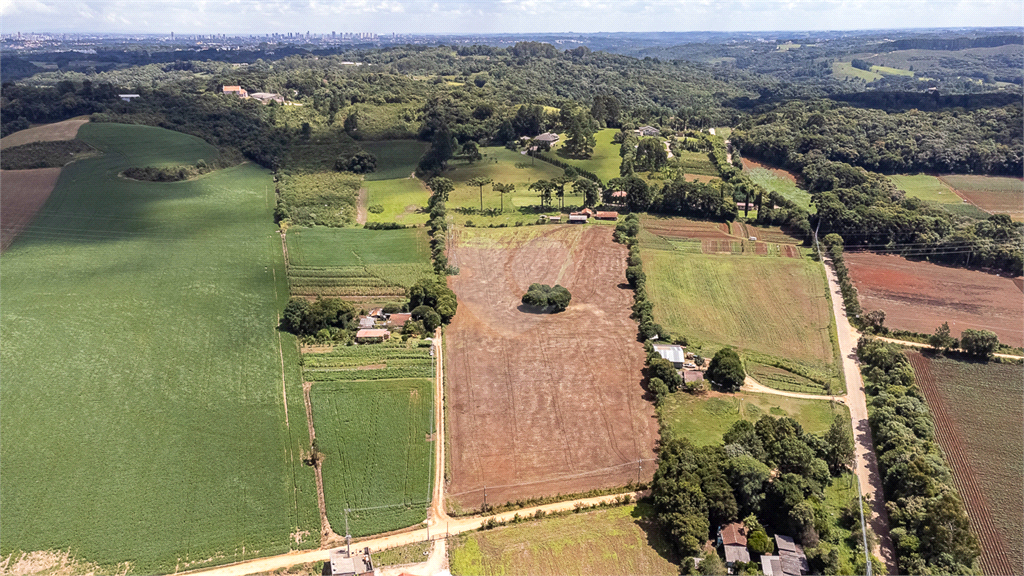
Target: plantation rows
<point>396,358</point>
<point>369,280</point>
<point>425,370</point>
<point>783,380</point>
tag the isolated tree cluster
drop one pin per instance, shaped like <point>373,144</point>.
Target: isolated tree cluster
<point>549,298</point>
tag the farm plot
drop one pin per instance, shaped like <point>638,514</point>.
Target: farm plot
<point>541,404</point>
<point>696,163</point>
<point>396,159</point>
<point>356,263</point>
<point>992,194</point>
<point>705,418</point>
<point>374,437</point>
<point>66,130</point>
<point>621,540</point>
<point>773,306</point>
<point>718,237</point>
<point>22,194</point>
<point>919,296</point>
<point>142,366</point>
<point>926,187</point>
<point>373,423</point>
<point>501,165</point>
<point>403,201</point>
<point>780,181</point>
<point>979,422</point>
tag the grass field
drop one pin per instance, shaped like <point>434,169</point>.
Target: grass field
<point>374,435</point>
<point>620,540</point>
<point>773,306</point>
<point>395,158</point>
<point>356,262</point>
<point>321,199</point>
<point>605,160</point>
<point>144,398</point>
<point>784,186</point>
<point>925,187</point>
<point>842,70</point>
<point>403,200</point>
<point>696,163</point>
<point>703,419</point>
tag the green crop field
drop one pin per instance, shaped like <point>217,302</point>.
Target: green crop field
<point>605,160</point>
<point>925,187</point>
<point>696,163</point>
<point>703,419</point>
<point>620,540</point>
<point>146,415</point>
<point>373,436</point>
<point>403,200</point>
<point>778,307</point>
<point>980,411</point>
<point>890,71</point>
<point>787,188</point>
<point>355,261</point>
<point>395,158</point>
<point>841,70</point>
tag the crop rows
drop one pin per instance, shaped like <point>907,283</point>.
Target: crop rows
<point>783,380</point>
<point>313,361</point>
<point>369,280</point>
<point>422,371</point>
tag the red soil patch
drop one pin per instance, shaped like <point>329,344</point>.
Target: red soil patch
<point>749,164</point>
<point>703,178</point>
<point>920,296</point>
<point>22,194</point>
<point>542,404</point>
<point>962,459</point>
<point>776,234</point>
<point>686,228</point>
<point>995,195</point>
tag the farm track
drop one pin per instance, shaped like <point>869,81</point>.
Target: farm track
<point>994,559</point>
<point>923,345</point>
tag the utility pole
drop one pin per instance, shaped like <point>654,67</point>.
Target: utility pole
<point>639,467</point>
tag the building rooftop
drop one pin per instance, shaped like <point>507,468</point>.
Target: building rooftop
<point>373,333</point>
<point>674,353</point>
<point>733,533</point>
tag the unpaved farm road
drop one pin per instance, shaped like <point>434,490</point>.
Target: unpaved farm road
<point>920,345</point>
<point>450,526</point>
<point>751,385</point>
<point>866,466</point>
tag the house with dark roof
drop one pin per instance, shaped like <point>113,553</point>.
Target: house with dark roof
<point>345,563</point>
<point>547,137</point>
<point>647,131</point>
<point>733,539</point>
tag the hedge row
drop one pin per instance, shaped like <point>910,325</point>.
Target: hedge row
<point>834,244</point>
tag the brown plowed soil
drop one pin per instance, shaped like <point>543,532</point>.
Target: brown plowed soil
<point>677,228</point>
<point>543,404</point>
<point>920,296</point>
<point>66,130</point>
<point>749,164</point>
<point>994,557</point>
<point>22,194</point>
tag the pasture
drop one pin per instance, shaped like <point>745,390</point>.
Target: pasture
<point>528,416</point>
<point>841,70</point>
<point>780,182</point>
<point>321,199</point>
<point>22,194</point>
<point>152,414</point>
<point>919,296</point>
<point>696,163</point>
<point>777,307</point>
<point>402,200</point>
<point>66,130</point>
<point>501,165</point>
<point>619,540</point>
<point>993,194</point>
<point>926,187</point>
<point>979,422</point>
<point>605,160</point>
<point>355,262</point>
<point>395,158</point>
<point>372,413</point>
<point>705,418</point>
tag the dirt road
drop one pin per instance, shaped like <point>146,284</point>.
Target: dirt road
<point>751,385</point>
<point>361,201</point>
<point>920,345</point>
<point>866,466</point>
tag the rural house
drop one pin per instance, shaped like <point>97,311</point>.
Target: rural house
<point>790,560</point>
<point>548,138</point>
<point>647,131</point>
<point>235,90</point>
<point>577,219</point>
<point>367,336</point>
<point>733,538</point>
<point>398,320</point>
<point>378,313</point>
<point>366,322</point>
<point>674,353</point>
<point>344,563</point>
<point>127,97</point>
<point>607,216</point>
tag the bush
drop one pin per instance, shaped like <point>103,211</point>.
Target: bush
<point>981,343</point>
<point>361,162</point>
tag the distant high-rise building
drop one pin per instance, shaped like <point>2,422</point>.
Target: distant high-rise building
<point>172,36</point>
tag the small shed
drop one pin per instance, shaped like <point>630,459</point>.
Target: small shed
<point>127,97</point>
<point>344,563</point>
<point>372,335</point>
<point>607,216</point>
<point>674,353</point>
<point>577,219</point>
<point>693,376</point>
<point>618,195</point>
<point>366,322</point>
<point>733,538</point>
<point>648,131</point>
<point>267,97</point>
<point>555,219</point>
<point>792,557</point>
<point>377,313</point>
<point>548,137</point>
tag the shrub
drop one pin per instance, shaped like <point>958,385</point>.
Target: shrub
<point>549,298</point>
<point>726,370</point>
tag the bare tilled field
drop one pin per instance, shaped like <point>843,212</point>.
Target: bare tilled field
<point>920,296</point>
<point>22,194</point>
<point>543,404</point>
<point>66,130</point>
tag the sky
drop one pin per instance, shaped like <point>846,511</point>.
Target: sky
<point>496,16</point>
